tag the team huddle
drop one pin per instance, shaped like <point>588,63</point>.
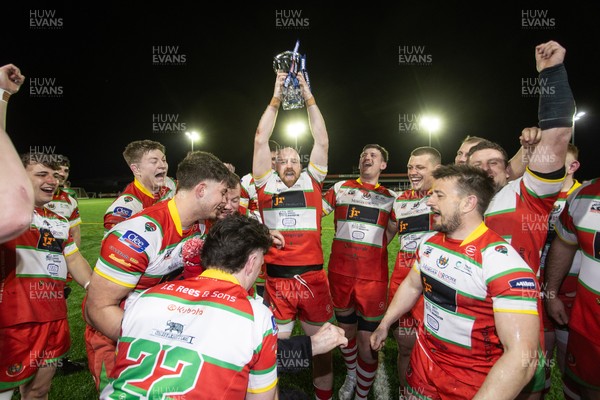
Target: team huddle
<point>200,279</point>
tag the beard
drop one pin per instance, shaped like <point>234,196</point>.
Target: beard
<point>448,226</point>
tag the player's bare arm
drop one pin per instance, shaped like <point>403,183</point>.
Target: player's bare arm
<point>102,308</point>
<point>261,162</point>
<point>405,298</point>
<point>519,334</point>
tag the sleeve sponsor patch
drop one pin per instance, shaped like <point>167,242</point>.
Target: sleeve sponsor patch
<point>134,241</point>
<point>123,212</point>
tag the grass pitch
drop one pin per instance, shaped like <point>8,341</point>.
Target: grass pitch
<point>80,385</point>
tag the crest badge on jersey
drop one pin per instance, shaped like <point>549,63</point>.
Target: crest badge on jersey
<point>150,227</point>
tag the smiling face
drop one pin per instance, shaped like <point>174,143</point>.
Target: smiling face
<point>492,162</point>
<point>152,170</point>
<point>461,153</point>
<point>288,166</point>
<point>213,199</point>
<point>44,181</point>
<point>444,203</point>
<point>232,202</point>
<point>63,175</point>
<point>370,164</point>
<point>420,170</point>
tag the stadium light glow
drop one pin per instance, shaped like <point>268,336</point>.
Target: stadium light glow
<point>431,124</point>
<point>577,117</point>
<point>295,129</point>
<point>193,136</point>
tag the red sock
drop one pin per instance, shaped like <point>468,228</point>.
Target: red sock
<point>349,353</point>
<point>321,394</point>
<point>365,375</point>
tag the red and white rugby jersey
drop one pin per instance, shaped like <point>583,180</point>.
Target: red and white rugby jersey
<point>296,213</point>
<point>135,198</point>
<point>201,338</point>
<point>362,213</point>
<point>249,198</point>
<point>141,251</point>
<point>33,271</point>
<point>519,213</point>
<point>464,284</point>
<point>64,204</point>
<point>413,221</point>
<point>579,224</point>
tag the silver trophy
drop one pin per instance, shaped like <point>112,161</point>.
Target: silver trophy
<point>292,63</point>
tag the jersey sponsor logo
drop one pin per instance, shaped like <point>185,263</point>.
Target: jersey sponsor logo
<point>289,199</point>
<point>501,249</point>
<point>288,222</point>
<point>463,267</point>
<point>433,323</point>
<point>134,241</point>
<point>119,260</point>
<point>149,227</point>
<point>53,258</point>
<point>48,242</point>
<point>274,324</point>
<point>595,207</point>
<point>596,246</point>
<point>363,214</point>
<point>417,223</point>
<point>439,293</point>
<point>358,235</point>
<point>123,212</point>
<point>127,199</point>
<point>51,206</point>
<point>14,370</point>
<point>125,256</point>
<point>52,269</point>
<point>173,331</point>
<point>428,251</point>
<point>522,283</point>
<point>470,250</point>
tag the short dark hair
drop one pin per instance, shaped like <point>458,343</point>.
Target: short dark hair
<point>469,181</point>
<point>432,152</point>
<point>384,152</point>
<point>233,180</point>
<point>471,139</point>
<point>200,166</point>
<point>51,161</point>
<point>135,150</point>
<point>231,240</point>
<point>487,144</point>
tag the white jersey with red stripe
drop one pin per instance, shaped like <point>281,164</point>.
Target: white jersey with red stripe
<point>579,224</point>
<point>66,205</point>
<point>519,213</point>
<point>362,213</point>
<point>33,271</point>
<point>200,338</point>
<point>464,284</point>
<point>295,212</point>
<point>150,247</point>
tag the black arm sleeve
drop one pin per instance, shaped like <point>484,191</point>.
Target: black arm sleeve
<point>294,354</point>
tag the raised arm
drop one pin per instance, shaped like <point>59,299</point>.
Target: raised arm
<point>519,334</point>
<point>556,110</point>
<point>10,83</point>
<point>318,155</point>
<point>261,162</point>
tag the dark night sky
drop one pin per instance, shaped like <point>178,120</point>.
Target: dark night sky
<point>100,59</point>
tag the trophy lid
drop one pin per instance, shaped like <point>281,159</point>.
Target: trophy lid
<point>283,61</point>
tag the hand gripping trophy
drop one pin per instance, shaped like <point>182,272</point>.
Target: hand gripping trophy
<point>292,63</point>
